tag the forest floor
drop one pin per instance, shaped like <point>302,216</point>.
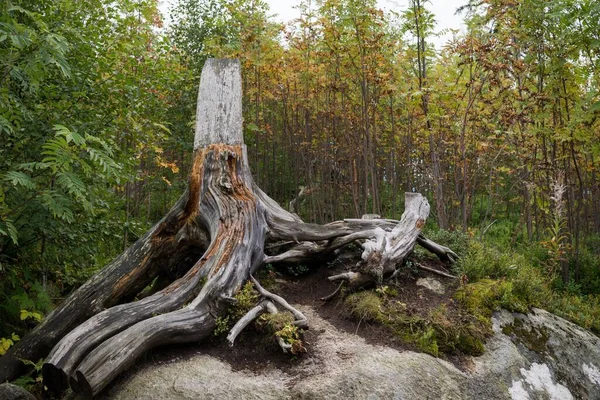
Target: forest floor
<point>255,351</point>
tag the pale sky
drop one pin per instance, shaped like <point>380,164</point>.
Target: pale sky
<point>444,11</point>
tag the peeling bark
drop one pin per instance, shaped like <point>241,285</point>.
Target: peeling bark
<point>222,223</point>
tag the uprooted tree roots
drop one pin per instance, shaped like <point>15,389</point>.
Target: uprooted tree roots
<point>199,255</point>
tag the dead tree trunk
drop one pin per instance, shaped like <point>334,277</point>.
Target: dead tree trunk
<point>208,245</point>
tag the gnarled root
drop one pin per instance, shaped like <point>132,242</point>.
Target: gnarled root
<point>218,230</point>
<point>300,320</point>
<point>267,305</point>
<point>444,253</point>
<point>246,320</point>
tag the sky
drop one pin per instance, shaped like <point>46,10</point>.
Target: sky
<point>444,11</point>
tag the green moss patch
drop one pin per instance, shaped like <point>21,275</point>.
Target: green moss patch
<point>534,339</point>
<point>437,331</point>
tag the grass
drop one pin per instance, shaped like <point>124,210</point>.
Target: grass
<point>519,279</point>
<point>492,278</point>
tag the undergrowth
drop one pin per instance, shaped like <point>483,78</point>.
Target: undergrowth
<point>491,279</point>
<point>434,333</point>
<point>280,325</point>
<point>519,279</point>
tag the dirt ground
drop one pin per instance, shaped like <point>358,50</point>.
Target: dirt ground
<point>255,352</point>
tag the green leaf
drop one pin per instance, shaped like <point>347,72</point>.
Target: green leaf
<point>19,178</point>
<point>31,166</point>
<point>57,154</point>
<point>71,183</point>
<point>12,231</point>
<point>253,127</point>
<point>101,158</point>
<point>58,205</point>
<point>70,136</point>
<point>5,344</point>
<point>161,126</point>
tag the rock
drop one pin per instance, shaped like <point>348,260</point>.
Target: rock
<point>8,391</point>
<point>534,356</point>
<point>432,284</point>
<point>561,360</point>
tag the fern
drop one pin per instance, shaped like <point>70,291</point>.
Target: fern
<point>7,228</point>
<point>59,205</point>
<point>70,136</point>
<point>19,178</point>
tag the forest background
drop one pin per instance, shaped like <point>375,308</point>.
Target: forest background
<point>345,109</point>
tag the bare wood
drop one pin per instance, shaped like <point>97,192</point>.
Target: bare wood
<point>334,293</point>
<point>119,281</point>
<point>219,110</point>
<point>221,200</point>
<point>245,321</point>
<point>355,279</point>
<point>435,271</point>
<point>443,252</point>
<point>301,321</point>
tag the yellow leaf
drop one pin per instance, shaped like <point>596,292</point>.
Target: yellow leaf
<point>5,345</point>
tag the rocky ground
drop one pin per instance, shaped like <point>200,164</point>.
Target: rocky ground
<point>533,356</point>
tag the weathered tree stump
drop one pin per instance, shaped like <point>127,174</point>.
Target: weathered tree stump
<point>208,245</point>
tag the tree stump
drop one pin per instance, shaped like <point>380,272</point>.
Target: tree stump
<point>207,246</point>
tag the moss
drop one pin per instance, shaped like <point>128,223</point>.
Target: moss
<point>434,333</point>
<point>386,291</point>
<point>470,344</point>
<point>535,339</point>
<point>426,341</point>
<point>487,295</point>
<point>275,322</point>
<point>246,299</point>
<point>364,305</point>
<point>581,310</point>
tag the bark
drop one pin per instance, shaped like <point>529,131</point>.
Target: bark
<point>210,243</point>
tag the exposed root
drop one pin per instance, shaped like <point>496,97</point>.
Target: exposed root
<point>354,279</point>
<point>393,275</point>
<point>245,321</point>
<point>223,204</point>
<point>301,321</point>
<point>335,292</point>
<point>444,253</point>
<point>435,271</point>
